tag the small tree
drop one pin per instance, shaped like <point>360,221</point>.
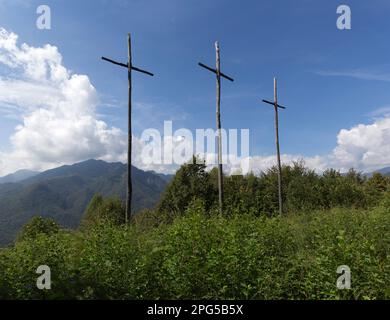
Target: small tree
<point>190,182</point>
<point>376,188</point>
<point>103,210</point>
<point>302,185</point>
<point>38,225</point>
<point>338,190</point>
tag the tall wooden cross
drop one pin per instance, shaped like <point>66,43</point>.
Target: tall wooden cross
<point>219,74</point>
<point>129,66</point>
<point>277,106</point>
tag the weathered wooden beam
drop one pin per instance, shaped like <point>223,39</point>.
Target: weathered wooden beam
<point>278,147</point>
<point>218,74</point>
<point>115,62</point>
<point>142,71</point>
<point>273,104</point>
<point>127,66</point>
<point>215,71</point>
<point>219,128</point>
<point>279,164</point>
<point>129,194</point>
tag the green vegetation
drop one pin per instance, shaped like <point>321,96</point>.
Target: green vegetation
<point>36,226</point>
<point>303,190</point>
<point>101,210</point>
<point>199,257</point>
<point>185,250</point>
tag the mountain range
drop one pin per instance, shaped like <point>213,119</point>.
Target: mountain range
<point>63,193</point>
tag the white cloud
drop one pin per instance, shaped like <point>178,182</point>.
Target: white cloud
<point>57,110</point>
<point>364,147</point>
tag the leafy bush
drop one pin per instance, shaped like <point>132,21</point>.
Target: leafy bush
<point>21,262</point>
<point>38,226</point>
<point>209,257</point>
<point>103,210</point>
<point>191,182</point>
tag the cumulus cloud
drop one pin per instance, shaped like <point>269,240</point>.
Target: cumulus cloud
<point>364,147</point>
<point>57,110</point>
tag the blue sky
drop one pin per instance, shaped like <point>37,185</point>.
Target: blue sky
<point>329,79</point>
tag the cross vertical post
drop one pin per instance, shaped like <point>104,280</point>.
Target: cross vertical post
<point>129,66</point>
<point>129,191</point>
<point>278,146</point>
<point>218,117</point>
<point>279,164</point>
<point>218,74</point>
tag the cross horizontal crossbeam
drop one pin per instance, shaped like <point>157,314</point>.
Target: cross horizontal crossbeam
<point>215,71</point>
<point>125,65</point>
<point>273,103</point>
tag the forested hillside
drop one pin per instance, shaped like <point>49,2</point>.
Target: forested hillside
<point>64,193</point>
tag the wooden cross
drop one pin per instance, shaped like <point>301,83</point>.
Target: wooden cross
<point>129,66</point>
<point>219,74</point>
<point>277,106</point>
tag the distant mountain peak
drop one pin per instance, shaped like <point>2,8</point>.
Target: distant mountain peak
<point>18,176</point>
<point>384,171</point>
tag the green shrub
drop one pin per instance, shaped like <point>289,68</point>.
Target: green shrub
<point>202,256</point>
<point>38,226</point>
<point>191,181</point>
<point>103,210</point>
